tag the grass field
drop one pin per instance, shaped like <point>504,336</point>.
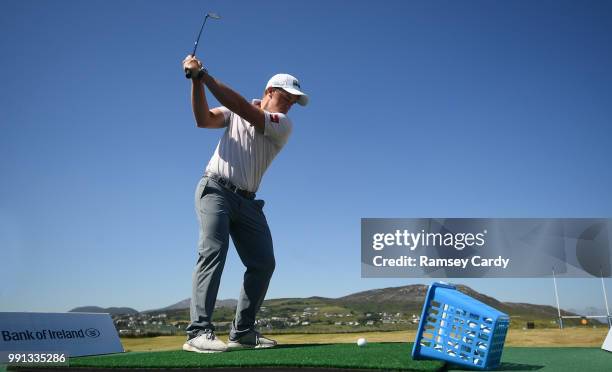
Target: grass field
<point>569,337</point>
<point>381,356</point>
<point>387,356</point>
<point>544,350</point>
<point>569,359</point>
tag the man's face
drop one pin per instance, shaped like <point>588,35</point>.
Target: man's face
<point>282,100</point>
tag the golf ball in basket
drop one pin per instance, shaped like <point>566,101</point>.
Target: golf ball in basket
<point>362,342</point>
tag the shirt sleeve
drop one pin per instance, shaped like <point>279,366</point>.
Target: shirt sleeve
<point>278,127</point>
<point>226,115</point>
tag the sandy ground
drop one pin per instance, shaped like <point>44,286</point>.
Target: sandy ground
<point>585,337</point>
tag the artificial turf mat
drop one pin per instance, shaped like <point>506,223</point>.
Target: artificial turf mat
<point>557,359</point>
<point>387,356</point>
<point>383,356</point>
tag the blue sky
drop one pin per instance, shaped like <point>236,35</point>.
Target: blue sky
<point>418,109</point>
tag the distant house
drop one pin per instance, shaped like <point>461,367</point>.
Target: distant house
<point>180,324</point>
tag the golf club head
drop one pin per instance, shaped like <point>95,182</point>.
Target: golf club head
<point>208,15</point>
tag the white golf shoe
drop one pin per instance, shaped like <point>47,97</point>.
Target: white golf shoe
<point>252,340</point>
<point>205,342</point>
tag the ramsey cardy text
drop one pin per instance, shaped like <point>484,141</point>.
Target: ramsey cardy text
<point>424,261</point>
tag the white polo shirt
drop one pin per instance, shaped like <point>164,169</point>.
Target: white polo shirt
<point>243,154</point>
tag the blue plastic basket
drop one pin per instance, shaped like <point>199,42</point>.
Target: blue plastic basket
<point>458,329</point>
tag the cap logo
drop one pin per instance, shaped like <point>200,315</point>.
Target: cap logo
<point>296,84</point>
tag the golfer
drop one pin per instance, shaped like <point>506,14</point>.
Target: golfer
<point>225,201</point>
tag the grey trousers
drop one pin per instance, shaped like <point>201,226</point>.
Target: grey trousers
<point>222,213</point>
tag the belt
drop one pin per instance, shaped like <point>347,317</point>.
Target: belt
<point>230,186</point>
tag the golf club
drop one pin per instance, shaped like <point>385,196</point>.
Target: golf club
<point>208,15</point>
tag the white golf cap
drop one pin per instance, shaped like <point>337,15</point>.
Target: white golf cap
<point>290,84</point>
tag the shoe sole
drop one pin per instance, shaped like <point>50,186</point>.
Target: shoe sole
<point>238,346</point>
<point>188,347</point>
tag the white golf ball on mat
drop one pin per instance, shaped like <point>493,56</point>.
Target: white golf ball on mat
<point>362,342</point>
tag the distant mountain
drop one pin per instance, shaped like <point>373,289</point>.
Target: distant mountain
<point>230,302</point>
<point>409,299</point>
<point>405,299</point>
<point>184,304</point>
<point>591,310</point>
<point>394,299</point>
<point>110,310</point>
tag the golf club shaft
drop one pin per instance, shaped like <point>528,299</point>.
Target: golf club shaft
<point>199,35</point>
<point>195,47</point>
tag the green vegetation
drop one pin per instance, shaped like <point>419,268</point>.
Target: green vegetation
<point>385,356</point>
<point>554,359</point>
<point>568,337</point>
<point>388,356</point>
<point>387,309</point>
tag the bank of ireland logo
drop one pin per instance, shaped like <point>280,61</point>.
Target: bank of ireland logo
<point>92,333</point>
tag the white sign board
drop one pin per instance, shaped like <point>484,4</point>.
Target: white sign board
<point>76,334</point>
<point>607,345</point>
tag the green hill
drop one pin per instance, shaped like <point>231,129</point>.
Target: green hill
<point>385,309</point>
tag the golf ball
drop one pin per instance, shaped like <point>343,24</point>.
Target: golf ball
<point>362,342</point>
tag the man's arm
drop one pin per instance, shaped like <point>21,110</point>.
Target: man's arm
<point>204,117</point>
<point>235,102</point>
